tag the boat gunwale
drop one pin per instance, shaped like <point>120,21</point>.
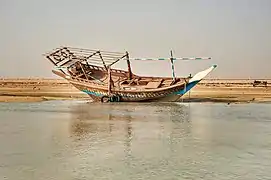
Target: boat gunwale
<point>105,88</point>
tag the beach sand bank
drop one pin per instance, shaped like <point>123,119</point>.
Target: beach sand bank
<point>34,90</point>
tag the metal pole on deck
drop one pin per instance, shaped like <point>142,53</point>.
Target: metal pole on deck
<point>172,65</point>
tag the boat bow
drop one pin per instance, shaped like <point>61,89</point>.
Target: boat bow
<point>196,79</point>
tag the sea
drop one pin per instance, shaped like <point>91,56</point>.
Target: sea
<point>77,140</point>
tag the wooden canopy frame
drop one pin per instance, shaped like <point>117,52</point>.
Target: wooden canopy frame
<point>66,57</point>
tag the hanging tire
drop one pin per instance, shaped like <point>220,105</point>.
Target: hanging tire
<point>105,99</point>
<point>117,98</point>
<point>114,98</point>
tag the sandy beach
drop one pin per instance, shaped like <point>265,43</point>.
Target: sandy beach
<point>33,90</point>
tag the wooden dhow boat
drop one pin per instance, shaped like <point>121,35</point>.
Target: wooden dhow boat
<point>91,72</point>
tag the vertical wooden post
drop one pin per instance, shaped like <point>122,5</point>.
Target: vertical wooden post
<point>109,80</point>
<point>129,66</point>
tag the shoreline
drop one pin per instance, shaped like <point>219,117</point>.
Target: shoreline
<point>208,90</point>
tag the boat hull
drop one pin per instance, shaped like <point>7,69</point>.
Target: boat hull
<point>171,94</point>
<point>170,98</point>
<point>98,91</point>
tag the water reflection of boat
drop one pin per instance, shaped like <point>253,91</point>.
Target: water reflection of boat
<point>105,118</point>
<point>91,72</point>
<point>123,127</point>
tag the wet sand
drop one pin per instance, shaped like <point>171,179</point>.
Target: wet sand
<point>33,90</point>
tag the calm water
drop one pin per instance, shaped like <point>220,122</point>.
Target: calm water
<point>78,140</point>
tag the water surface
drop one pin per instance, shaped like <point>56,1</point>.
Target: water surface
<point>80,140</point>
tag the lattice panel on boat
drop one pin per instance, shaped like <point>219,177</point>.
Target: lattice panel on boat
<point>67,56</point>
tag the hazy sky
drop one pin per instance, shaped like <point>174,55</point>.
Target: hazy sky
<point>235,33</point>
